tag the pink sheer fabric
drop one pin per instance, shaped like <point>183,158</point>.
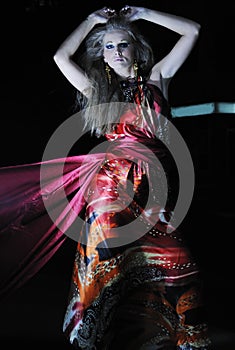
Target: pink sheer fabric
<point>35,213</point>
<point>28,235</point>
<point>33,193</point>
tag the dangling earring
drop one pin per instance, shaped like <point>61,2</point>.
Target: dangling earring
<point>135,67</point>
<point>107,70</point>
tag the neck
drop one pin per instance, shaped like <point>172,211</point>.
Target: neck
<point>130,78</point>
<point>125,74</point>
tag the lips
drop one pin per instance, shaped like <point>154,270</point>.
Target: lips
<point>121,59</point>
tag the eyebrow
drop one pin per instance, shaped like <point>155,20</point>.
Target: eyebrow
<point>108,42</point>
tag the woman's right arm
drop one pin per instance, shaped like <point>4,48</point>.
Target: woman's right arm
<point>64,54</point>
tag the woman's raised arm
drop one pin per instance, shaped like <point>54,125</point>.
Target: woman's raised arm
<point>186,28</point>
<point>63,56</point>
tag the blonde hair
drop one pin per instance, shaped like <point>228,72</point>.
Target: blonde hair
<point>101,118</point>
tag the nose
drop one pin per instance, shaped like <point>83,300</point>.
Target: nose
<point>118,51</point>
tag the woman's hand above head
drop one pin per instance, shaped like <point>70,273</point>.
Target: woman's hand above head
<point>103,15</point>
<point>132,13</point>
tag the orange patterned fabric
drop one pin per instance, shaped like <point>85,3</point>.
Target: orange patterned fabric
<point>141,294</point>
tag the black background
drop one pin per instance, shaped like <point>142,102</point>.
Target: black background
<point>36,98</point>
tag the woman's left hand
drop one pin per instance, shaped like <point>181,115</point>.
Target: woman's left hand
<point>132,13</point>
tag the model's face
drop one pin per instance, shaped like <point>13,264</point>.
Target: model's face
<point>119,52</point>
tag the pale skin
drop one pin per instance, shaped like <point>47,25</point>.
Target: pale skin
<point>118,50</point>
<point>119,53</point>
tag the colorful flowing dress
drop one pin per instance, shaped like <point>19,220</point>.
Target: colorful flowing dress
<point>135,284</point>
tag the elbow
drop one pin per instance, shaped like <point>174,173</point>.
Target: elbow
<point>55,57</point>
<point>191,30</point>
<point>196,29</point>
<point>60,58</point>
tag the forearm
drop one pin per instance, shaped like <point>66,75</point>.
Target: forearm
<point>180,25</point>
<point>74,40</point>
<point>64,54</point>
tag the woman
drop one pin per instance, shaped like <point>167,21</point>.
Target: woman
<point>120,297</point>
<point>135,284</point>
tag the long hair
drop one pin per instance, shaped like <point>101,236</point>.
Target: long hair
<point>98,111</point>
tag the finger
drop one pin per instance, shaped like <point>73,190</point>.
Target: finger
<point>109,11</point>
<point>125,10</point>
